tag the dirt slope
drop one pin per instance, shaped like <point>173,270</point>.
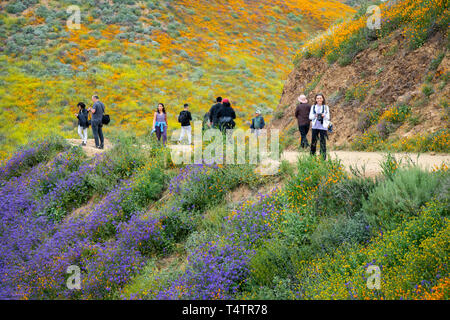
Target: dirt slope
<point>387,73</point>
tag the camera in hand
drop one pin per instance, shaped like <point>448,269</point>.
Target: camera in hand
<point>320,118</point>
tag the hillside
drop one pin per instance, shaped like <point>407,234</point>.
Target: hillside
<point>135,54</point>
<point>127,222</point>
<point>386,90</point>
<point>138,227</point>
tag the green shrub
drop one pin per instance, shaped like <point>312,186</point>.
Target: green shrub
<point>300,191</point>
<point>427,90</point>
<point>296,230</point>
<point>344,197</point>
<point>337,231</point>
<point>274,259</point>
<point>393,201</point>
<point>281,289</point>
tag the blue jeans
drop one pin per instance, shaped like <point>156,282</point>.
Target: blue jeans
<point>98,133</point>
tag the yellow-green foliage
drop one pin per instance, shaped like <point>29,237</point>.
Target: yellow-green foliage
<point>413,258</point>
<point>143,53</point>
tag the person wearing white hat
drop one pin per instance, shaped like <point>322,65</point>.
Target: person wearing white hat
<point>303,121</point>
<point>257,123</point>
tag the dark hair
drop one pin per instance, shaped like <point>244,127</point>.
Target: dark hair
<point>95,96</point>
<point>164,109</point>
<point>82,105</point>
<point>186,105</point>
<point>319,94</point>
<point>227,104</point>
<point>219,99</point>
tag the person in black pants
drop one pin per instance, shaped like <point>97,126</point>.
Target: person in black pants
<point>320,117</point>
<point>97,110</point>
<point>302,115</point>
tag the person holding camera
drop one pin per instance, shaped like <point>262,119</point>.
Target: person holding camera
<point>320,117</point>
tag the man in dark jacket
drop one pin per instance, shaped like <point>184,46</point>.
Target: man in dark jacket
<point>213,120</point>
<point>226,115</point>
<point>97,110</point>
<point>302,115</point>
<point>185,119</point>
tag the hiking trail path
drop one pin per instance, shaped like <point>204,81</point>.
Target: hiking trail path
<point>370,161</point>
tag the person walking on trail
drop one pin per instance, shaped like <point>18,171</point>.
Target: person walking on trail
<point>226,116</point>
<point>302,114</point>
<point>320,117</point>
<point>185,119</point>
<point>160,123</point>
<point>97,110</point>
<point>83,123</point>
<point>213,120</point>
<point>257,123</point>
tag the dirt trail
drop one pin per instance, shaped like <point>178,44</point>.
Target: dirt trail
<point>90,147</point>
<point>369,160</point>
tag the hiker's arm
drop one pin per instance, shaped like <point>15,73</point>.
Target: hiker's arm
<point>233,115</point>
<point>312,116</point>
<point>252,126</point>
<point>262,123</point>
<point>190,117</point>
<point>154,120</point>
<point>296,112</point>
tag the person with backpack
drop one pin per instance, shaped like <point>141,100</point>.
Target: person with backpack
<point>320,117</point>
<point>185,119</point>
<point>160,123</point>
<point>97,111</point>
<point>83,123</point>
<point>257,123</point>
<point>226,116</point>
<point>213,120</point>
<point>303,121</point>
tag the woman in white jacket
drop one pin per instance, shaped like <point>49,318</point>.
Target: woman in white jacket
<point>320,117</point>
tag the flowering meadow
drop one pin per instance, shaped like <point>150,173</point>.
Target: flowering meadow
<point>343,41</point>
<point>135,54</point>
<point>156,231</point>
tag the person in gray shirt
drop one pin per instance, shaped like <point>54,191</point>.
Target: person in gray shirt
<point>97,110</point>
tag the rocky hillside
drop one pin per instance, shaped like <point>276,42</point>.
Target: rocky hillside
<point>389,95</point>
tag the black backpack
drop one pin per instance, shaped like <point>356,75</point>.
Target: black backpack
<point>182,117</point>
<point>106,119</point>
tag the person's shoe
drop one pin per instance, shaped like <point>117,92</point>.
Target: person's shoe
<point>83,144</point>
<point>101,147</point>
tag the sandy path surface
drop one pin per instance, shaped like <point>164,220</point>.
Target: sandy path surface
<point>370,161</point>
<point>90,146</point>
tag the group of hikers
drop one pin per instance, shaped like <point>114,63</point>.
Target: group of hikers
<point>97,112</point>
<point>220,116</point>
<point>318,115</point>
